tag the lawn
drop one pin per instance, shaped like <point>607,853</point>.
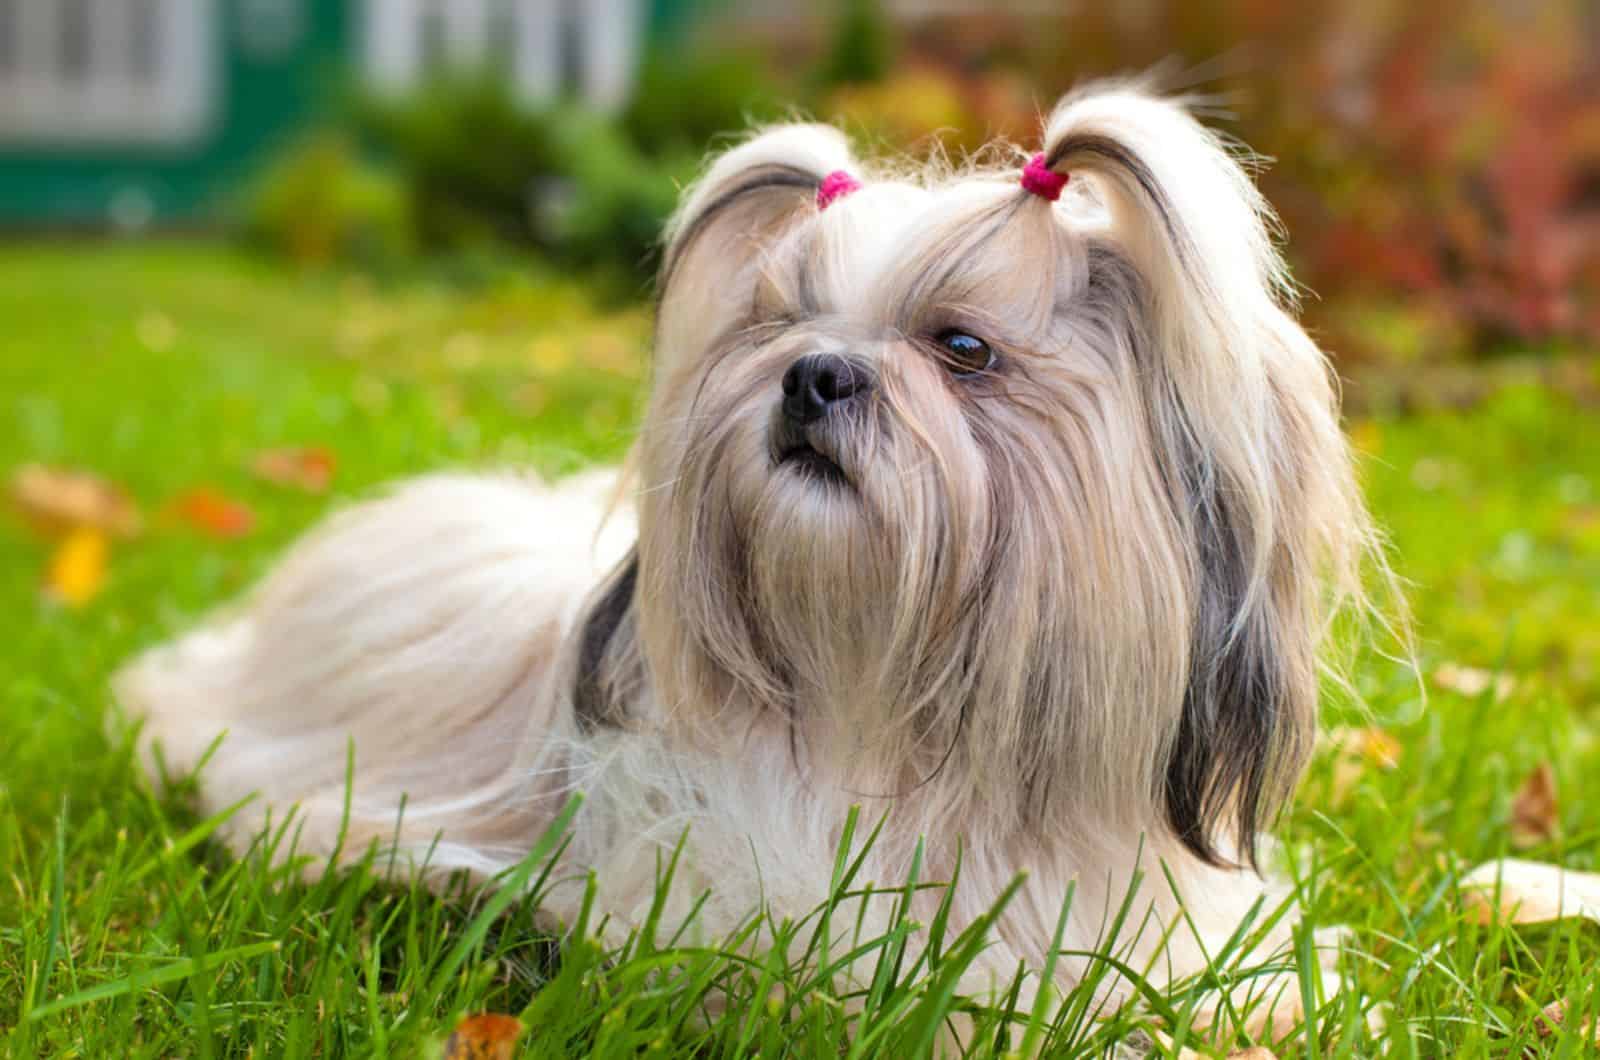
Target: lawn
<point>167,369</point>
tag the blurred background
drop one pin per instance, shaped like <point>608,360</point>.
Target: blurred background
<point>258,257</point>
<point>1437,164</point>
<point>253,251</point>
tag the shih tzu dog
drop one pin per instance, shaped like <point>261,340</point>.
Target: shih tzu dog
<point>1009,506</point>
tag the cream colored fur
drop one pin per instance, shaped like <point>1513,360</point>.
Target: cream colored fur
<point>1060,618</point>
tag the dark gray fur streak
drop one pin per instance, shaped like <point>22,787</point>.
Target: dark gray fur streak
<point>1236,725</point>
<point>1118,154</point>
<point>762,177</point>
<point>595,701</point>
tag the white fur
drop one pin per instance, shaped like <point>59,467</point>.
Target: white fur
<point>1042,600</point>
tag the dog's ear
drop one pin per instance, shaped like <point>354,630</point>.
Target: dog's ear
<point>1244,416</point>
<point>747,199</point>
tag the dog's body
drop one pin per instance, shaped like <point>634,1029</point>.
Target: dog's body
<point>1057,611</point>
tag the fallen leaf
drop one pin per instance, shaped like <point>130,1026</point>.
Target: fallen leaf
<point>310,468</point>
<point>1371,744</point>
<point>58,501</point>
<point>214,513</point>
<point>1534,811</point>
<point>1530,892</point>
<point>1367,436</point>
<point>1355,750</point>
<point>77,570</point>
<point>1472,682</point>
<point>1554,1017</point>
<point>490,1036</point>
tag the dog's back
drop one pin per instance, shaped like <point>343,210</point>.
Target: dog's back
<point>431,617</point>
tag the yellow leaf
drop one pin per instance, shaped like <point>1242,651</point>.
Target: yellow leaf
<point>77,571</point>
<point>490,1036</point>
<point>1371,745</point>
<point>1367,436</point>
<point>1356,750</point>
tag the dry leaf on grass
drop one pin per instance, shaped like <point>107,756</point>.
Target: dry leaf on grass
<point>1534,811</point>
<point>1529,892</point>
<point>1472,682</point>
<point>1554,1018</point>
<point>490,1036</point>
<point>58,501</point>
<point>213,512</point>
<point>1355,750</point>
<point>77,570</point>
<point>309,468</point>
<point>1371,745</point>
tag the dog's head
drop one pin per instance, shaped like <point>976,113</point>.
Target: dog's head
<point>1034,502</point>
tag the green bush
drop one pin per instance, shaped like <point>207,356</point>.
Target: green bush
<point>683,103</point>
<point>320,202</point>
<point>862,48</point>
<point>484,170</point>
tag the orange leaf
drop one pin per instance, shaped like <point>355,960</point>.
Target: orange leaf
<point>214,513</point>
<point>58,501</point>
<point>77,570</point>
<point>1534,811</point>
<point>490,1036</point>
<point>309,468</point>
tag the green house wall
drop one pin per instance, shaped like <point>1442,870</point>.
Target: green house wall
<point>263,98</point>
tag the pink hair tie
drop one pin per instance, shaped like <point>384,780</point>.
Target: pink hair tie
<point>835,185</point>
<point>1041,180</point>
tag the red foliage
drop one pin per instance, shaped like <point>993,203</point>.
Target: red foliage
<point>1444,158</point>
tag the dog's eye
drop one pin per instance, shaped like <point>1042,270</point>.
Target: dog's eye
<point>965,354</point>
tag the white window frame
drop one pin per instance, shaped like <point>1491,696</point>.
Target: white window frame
<point>607,36</point>
<point>109,103</point>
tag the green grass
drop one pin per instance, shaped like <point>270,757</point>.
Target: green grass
<point>123,932</point>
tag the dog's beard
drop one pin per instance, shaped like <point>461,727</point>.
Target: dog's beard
<point>1081,589</point>
<point>847,558</point>
<point>972,589</point>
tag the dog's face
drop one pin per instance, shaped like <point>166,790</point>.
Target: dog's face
<point>1029,506</point>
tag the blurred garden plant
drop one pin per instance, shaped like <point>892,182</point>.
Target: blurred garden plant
<point>1439,159</point>
<point>1438,168</point>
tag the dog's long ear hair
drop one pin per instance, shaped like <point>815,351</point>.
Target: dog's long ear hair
<point>733,215</point>
<point>1244,412</point>
<point>717,248</point>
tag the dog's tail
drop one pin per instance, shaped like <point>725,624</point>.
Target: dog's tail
<point>407,647</point>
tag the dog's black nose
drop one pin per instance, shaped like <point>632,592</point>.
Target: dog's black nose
<point>817,382</point>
